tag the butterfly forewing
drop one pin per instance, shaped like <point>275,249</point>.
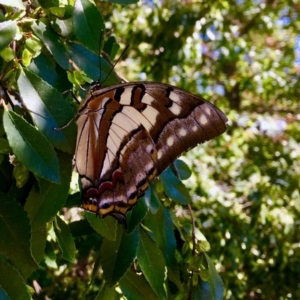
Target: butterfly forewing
<point>129,133</point>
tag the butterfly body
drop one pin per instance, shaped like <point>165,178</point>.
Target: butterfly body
<point>129,133</point>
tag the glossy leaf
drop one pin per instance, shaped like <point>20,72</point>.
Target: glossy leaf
<point>95,67</point>
<point>88,24</point>
<point>52,43</point>
<point>31,147</point>
<point>8,31</point>
<point>49,110</point>
<point>55,76</point>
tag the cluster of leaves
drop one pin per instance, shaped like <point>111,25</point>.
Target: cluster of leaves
<point>45,51</point>
<point>241,54</point>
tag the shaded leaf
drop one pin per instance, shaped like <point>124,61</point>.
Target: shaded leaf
<point>214,288</point>
<point>107,293</point>
<point>12,283</point>
<point>137,214</point>
<point>111,47</point>
<point>44,67</point>
<point>94,66</point>
<point>38,242</point>
<point>15,235</point>
<point>106,227</point>
<point>154,200</point>
<point>174,188</point>
<point>136,287</point>
<point>65,240</point>
<point>52,43</point>
<point>80,228</point>
<point>183,169</point>
<point>162,232</point>
<point>118,255</point>
<point>152,263</point>
<point>44,202</point>
<point>31,147</point>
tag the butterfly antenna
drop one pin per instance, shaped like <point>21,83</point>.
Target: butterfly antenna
<point>113,65</point>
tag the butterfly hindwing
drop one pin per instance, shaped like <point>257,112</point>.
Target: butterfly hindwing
<point>129,133</point>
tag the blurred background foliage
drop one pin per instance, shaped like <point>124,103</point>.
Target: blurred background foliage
<point>244,56</point>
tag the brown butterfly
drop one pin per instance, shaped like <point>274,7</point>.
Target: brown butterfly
<point>129,133</point>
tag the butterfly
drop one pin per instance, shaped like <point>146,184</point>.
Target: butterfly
<point>129,133</point>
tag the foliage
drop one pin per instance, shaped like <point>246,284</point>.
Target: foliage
<point>245,184</point>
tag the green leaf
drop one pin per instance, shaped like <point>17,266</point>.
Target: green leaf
<point>106,227</point>
<point>183,169</point>
<point>162,232</point>
<point>214,288</point>
<point>174,188</point>
<point>107,293</point>
<point>38,242</point>
<point>65,240</point>
<point>138,213</point>
<point>52,42</point>
<point>88,24</point>
<point>50,256</point>
<point>8,54</point>
<point>49,3</point>
<point>44,202</point>
<point>63,27</point>
<point>55,76</point>
<point>117,256</point>
<point>152,263</point>
<point>3,294</point>
<point>15,235</point>
<point>94,66</point>
<point>136,287</point>
<point>12,284</point>
<point>154,200</point>
<point>80,228</point>
<point>49,110</point>
<point>8,31</point>
<point>31,147</point>
<point>4,146</point>
<point>111,47</point>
